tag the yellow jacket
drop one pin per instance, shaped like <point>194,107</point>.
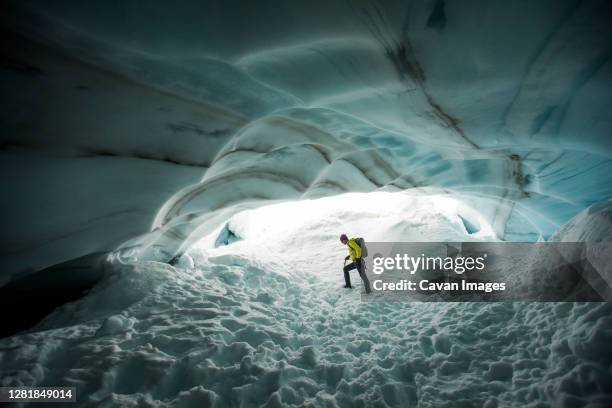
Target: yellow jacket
<point>354,249</point>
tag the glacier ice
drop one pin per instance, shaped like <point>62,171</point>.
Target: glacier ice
<point>502,101</point>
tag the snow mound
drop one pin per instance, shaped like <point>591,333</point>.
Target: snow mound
<point>236,333</point>
<point>115,324</point>
<point>263,322</point>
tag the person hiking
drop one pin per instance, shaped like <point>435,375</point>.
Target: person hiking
<point>357,263</point>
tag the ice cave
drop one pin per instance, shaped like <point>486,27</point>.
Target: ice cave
<point>177,174</point>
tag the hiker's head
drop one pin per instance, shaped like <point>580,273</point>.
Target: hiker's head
<point>343,239</point>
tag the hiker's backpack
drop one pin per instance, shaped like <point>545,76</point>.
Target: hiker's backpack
<point>362,245</point>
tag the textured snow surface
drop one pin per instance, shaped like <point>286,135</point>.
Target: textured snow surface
<point>237,333</point>
<point>264,321</point>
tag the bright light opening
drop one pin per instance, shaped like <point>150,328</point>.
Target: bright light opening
<point>308,231</point>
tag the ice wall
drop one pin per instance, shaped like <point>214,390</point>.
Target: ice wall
<point>120,121</point>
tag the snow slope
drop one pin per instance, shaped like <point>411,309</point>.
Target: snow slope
<point>264,321</point>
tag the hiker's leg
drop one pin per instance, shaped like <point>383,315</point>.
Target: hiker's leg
<point>364,277</point>
<point>347,277</point>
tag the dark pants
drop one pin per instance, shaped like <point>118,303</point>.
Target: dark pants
<point>357,264</point>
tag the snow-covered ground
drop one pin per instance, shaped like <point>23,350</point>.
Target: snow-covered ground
<point>263,321</point>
